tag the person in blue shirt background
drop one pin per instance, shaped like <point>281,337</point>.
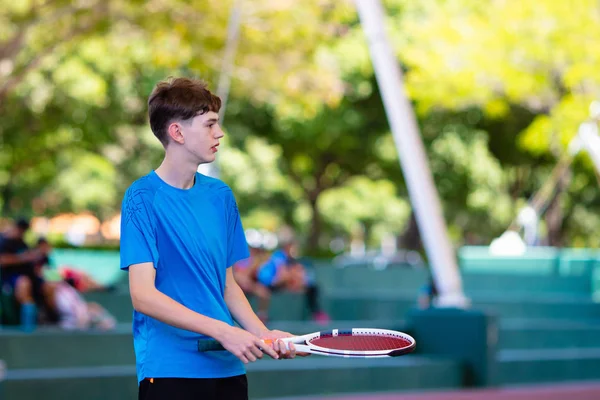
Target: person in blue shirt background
<point>245,272</point>
<point>180,234</point>
<point>283,271</point>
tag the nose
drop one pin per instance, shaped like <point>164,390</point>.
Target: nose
<point>219,132</point>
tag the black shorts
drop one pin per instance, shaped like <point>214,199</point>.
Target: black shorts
<point>233,388</point>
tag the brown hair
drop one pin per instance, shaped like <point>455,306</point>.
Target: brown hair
<point>178,99</point>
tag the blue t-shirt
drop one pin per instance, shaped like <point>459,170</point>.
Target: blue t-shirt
<point>192,236</point>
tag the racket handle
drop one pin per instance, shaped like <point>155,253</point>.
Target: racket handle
<point>213,345</point>
<point>209,345</point>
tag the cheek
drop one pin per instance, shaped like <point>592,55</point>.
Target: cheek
<point>198,141</point>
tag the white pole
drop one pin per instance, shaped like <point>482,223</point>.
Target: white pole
<point>588,135</point>
<point>233,34</point>
<point>413,159</point>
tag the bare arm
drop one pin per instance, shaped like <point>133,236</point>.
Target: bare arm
<point>7,260</point>
<point>242,312</point>
<point>150,301</point>
<point>240,308</point>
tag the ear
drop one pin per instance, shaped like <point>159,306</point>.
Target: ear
<point>174,131</point>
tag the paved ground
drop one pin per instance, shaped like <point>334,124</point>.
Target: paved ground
<point>573,391</point>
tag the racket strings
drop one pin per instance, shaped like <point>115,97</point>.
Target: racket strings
<point>361,343</point>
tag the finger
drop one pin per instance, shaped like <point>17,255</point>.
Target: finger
<point>292,351</point>
<point>277,347</point>
<point>250,356</point>
<point>256,351</point>
<point>284,348</point>
<point>267,349</point>
<point>242,357</point>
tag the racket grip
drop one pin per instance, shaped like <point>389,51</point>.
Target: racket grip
<point>209,345</point>
<point>213,345</point>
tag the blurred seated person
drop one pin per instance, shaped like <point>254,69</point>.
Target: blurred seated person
<point>70,310</point>
<point>79,279</point>
<point>284,272</point>
<point>74,313</point>
<point>245,273</point>
<point>18,274</point>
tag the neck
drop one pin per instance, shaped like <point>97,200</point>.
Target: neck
<point>177,172</point>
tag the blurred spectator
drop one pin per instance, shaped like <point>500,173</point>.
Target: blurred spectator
<point>77,314</point>
<point>283,271</point>
<point>63,297</point>
<point>427,294</point>
<point>18,277</point>
<point>245,273</point>
<point>79,279</point>
<point>82,281</point>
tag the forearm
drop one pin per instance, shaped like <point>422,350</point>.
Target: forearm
<point>241,310</point>
<point>7,260</point>
<point>159,306</point>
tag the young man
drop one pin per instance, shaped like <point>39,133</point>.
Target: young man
<point>180,234</point>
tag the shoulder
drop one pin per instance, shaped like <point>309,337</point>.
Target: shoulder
<point>219,190</point>
<point>215,185</point>
<point>144,189</point>
<point>139,196</point>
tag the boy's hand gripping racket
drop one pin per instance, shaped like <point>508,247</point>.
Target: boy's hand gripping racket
<point>352,343</point>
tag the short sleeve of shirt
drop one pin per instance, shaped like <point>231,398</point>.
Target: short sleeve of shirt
<point>138,233</point>
<point>237,247</point>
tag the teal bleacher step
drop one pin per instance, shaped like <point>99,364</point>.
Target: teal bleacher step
<point>548,334</point>
<point>353,304</point>
<point>517,366</point>
<point>411,279</point>
<point>52,347</point>
<point>266,378</point>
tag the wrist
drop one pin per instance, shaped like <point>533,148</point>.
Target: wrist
<point>260,331</point>
<point>220,330</point>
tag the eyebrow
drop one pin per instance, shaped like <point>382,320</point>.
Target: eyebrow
<point>210,121</point>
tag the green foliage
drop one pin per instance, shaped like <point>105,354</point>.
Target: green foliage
<point>365,204</point>
<point>499,88</point>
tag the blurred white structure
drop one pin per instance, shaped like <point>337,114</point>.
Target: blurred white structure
<point>509,243</point>
<point>413,161</point>
<point>588,140</point>
<point>233,35</point>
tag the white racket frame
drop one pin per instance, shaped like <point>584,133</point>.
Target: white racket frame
<point>303,345</point>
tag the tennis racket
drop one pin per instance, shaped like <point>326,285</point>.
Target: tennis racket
<point>350,343</point>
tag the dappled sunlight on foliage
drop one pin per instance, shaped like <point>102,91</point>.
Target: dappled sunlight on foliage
<point>499,89</point>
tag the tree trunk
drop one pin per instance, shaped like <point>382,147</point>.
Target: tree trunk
<point>312,246</point>
<point>6,198</point>
<point>554,215</point>
<point>410,239</point>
